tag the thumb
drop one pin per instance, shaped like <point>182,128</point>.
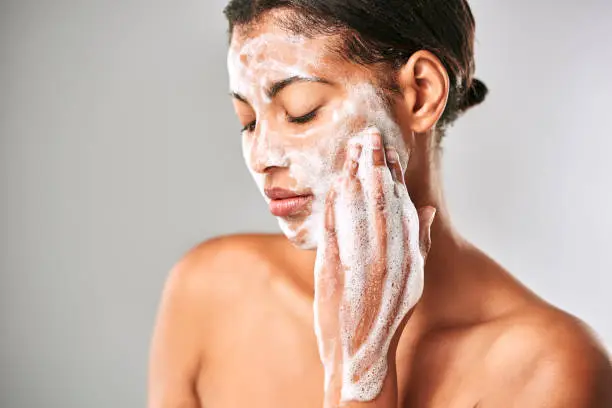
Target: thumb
<point>426,218</point>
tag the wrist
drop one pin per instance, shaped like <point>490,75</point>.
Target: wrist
<point>386,398</point>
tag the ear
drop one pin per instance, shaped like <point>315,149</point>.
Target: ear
<point>424,83</point>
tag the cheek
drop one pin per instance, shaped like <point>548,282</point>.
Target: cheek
<point>341,132</point>
<point>328,139</point>
<point>318,161</point>
<point>246,150</point>
<point>259,178</point>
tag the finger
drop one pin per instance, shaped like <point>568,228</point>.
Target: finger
<point>378,206</point>
<point>354,155</point>
<point>426,218</point>
<point>400,284</point>
<point>356,210</point>
<point>379,209</point>
<point>330,279</point>
<point>331,238</point>
<point>378,154</point>
<point>353,182</point>
<point>346,168</point>
<point>394,165</point>
<point>408,259</point>
<point>377,270</point>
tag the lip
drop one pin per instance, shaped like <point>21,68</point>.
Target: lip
<point>285,203</point>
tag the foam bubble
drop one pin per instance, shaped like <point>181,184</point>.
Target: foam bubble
<point>315,167</point>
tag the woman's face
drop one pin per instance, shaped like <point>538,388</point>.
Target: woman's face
<point>300,106</point>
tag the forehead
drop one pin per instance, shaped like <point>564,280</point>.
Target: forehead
<point>266,37</point>
<point>265,52</point>
<point>275,50</point>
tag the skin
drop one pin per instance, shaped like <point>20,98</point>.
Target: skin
<point>350,343</point>
<point>237,326</point>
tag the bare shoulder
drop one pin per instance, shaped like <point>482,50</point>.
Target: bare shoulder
<point>210,279</point>
<point>220,268</point>
<point>227,250</point>
<point>222,282</point>
<point>233,270</point>
<point>546,357</point>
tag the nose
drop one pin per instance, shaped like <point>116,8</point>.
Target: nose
<point>266,150</point>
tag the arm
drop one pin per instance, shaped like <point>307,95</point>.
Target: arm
<point>175,356</point>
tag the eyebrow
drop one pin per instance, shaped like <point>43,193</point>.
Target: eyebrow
<point>282,84</point>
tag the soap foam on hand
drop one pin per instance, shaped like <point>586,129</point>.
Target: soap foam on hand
<point>364,369</point>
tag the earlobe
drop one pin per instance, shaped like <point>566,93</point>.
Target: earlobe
<point>425,86</point>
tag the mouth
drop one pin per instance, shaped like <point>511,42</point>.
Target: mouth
<point>285,203</point>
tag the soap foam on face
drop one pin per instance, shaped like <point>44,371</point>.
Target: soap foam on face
<point>314,167</point>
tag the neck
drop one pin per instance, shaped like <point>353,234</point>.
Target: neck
<point>425,187</point>
<point>424,182</point>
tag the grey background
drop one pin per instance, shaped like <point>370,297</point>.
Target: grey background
<point>119,151</point>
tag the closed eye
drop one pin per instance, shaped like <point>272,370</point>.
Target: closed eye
<point>250,127</point>
<point>303,119</point>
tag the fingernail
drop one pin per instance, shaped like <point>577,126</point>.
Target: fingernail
<point>376,141</point>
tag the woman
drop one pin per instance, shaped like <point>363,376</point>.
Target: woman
<point>343,105</point>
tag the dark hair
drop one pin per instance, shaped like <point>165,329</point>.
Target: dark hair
<point>386,31</point>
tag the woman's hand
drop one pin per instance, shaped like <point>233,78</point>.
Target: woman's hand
<point>369,271</point>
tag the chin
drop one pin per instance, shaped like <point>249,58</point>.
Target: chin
<point>305,244</point>
<point>301,234</point>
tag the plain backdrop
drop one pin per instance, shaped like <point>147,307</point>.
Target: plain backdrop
<point>120,151</point>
